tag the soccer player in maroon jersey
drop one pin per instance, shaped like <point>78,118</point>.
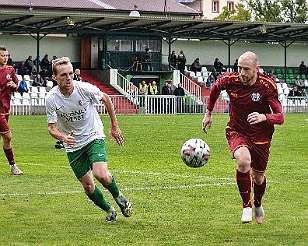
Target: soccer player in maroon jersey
<point>254,110</point>
<point>8,84</point>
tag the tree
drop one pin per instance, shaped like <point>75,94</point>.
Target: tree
<point>278,10</point>
<point>265,10</point>
<point>239,13</point>
<point>295,11</point>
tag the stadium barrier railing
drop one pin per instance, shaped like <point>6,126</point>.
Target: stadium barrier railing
<point>158,104</point>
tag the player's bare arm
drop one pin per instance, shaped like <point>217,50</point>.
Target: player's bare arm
<point>115,131</point>
<point>207,121</point>
<point>255,118</point>
<point>68,139</point>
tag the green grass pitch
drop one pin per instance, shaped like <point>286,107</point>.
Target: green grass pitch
<point>173,204</point>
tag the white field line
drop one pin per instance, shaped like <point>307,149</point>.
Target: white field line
<point>230,181</point>
<point>124,189</point>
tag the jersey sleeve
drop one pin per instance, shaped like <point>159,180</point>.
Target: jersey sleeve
<point>51,110</point>
<point>276,117</point>
<point>218,86</point>
<point>95,93</point>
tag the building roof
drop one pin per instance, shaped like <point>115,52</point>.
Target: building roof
<point>88,17</point>
<point>156,6</point>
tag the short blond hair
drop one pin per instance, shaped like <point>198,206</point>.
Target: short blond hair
<point>58,62</point>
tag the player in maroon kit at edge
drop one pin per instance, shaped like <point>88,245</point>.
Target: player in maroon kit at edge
<point>255,109</point>
<point>8,84</point>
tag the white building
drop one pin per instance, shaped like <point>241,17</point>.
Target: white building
<point>210,8</point>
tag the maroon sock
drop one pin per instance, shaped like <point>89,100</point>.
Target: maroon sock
<point>259,191</point>
<point>243,181</point>
<point>9,155</point>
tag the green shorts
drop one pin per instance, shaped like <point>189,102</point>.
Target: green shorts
<point>81,161</point>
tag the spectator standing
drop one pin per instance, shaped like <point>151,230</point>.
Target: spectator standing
<point>167,106</point>
<point>86,152</point>
<point>143,88</point>
<point>302,68</point>
<point>180,97</point>
<point>235,66</point>
<point>172,59</point>
<point>38,63</point>
<point>181,62</point>
<point>255,109</point>
<point>152,88</point>
<point>29,64</point>
<point>8,85</point>
<point>147,61</point>
<point>45,63</point>
<point>152,102</point>
<point>143,91</point>
<point>53,58</point>
<point>218,66</point>
<point>10,62</point>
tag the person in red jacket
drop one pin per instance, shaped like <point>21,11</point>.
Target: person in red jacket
<point>254,110</point>
<point>8,84</point>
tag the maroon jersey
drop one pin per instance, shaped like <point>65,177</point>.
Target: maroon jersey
<point>6,74</point>
<point>261,97</point>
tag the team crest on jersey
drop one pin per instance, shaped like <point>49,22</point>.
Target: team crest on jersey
<point>8,77</point>
<point>255,96</point>
<point>80,103</point>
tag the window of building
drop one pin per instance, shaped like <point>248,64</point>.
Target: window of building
<point>153,45</point>
<point>215,6</point>
<point>120,45</point>
<point>230,6</point>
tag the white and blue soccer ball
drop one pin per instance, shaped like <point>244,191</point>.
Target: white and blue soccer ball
<point>195,152</point>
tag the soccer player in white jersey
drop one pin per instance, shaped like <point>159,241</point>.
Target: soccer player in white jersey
<point>73,119</point>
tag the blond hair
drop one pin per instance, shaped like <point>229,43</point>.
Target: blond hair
<point>58,62</point>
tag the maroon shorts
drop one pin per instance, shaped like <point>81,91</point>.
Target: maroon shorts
<point>259,151</point>
<point>4,125</point>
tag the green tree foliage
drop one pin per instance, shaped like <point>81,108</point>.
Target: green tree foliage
<point>295,11</point>
<point>265,10</point>
<point>239,13</point>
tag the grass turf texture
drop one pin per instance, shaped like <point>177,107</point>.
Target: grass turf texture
<point>173,204</point>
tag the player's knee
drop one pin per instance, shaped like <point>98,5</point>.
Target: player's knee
<point>7,137</point>
<point>243,158</point>
<point>243,163</point>
<point>258,178</point>
<point>88,188</point>
<point>104,178</point>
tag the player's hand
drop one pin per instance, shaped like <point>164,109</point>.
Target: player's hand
<point>11,84</point>
<point>70,139</point>
<point>255,118</point>
<point>116,133</point>
<point>207,122</point>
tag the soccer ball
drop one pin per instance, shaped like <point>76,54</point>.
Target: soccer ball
<point>195,152</point>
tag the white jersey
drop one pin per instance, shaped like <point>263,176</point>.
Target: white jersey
<point>77,113</point>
